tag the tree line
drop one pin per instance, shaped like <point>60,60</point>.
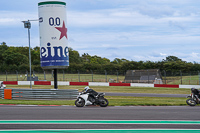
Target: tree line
<point>17,59</point>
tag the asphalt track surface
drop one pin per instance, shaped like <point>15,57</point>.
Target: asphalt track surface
<point>95,117</point>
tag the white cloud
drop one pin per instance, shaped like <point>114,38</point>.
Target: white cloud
<point>162,54</point>
<point>13,18</point>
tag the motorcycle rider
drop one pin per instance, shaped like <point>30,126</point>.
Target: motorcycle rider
<point>196,92</point>
<point>2,86</point>
<point>92,94</point>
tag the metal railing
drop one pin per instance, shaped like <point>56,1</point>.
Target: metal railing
<point>41,94</point>
<point>1,92</point>
<point>168,77</point>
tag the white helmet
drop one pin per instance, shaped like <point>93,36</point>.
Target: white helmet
<point>86,88</point>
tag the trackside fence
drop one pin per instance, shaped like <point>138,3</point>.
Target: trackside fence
<point>38,94</point>
<point>115,76</point>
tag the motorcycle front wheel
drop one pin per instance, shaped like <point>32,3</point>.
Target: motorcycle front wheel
<point>191,102</point>
<point>80,102</point>
<point>103,102</point>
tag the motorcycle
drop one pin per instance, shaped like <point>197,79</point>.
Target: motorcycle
<point>85,99</point>
<point>194,97</point>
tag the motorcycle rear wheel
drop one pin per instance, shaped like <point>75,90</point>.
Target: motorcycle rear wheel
<point>104,102</point>
<point>80,102</point>
<point>191,102</point>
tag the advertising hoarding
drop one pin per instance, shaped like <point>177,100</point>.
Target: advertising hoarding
<point>53,35</point>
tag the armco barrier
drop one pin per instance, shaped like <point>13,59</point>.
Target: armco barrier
<point>189,86</point>
<point>10,82</point>
<point>79,83</point>
<point>119,84</point>
<point>98,84</point>
<point>42,82</point>
<point>166,85</point>
<point>24,82</point>
<point>1,92</point>
<point>141,85</point>
<point>38,94</point>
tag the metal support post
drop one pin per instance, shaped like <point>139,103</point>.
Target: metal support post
<point>44,75</point>
<point>6,75</point>
<point>29,57</point>
<point>148,76</point>
<point>199,77</point>
<point>63,75</point>
<point>165,76</point>
<point>55,79</point>
<point>105,75</point>
<point>181,76</point>
<point>92,75</point>
<point>17,74</point>
<point>117,77</point>
<point>78,76</point>
<point>27,25</point>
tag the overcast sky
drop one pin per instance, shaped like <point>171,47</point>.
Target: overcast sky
<point>131,29</point>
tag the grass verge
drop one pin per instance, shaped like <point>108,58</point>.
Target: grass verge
<point>113,101</point>
<point>146,101</point>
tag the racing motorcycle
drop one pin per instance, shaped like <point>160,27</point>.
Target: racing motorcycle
<point>194,97</point>
<point>85,99</point>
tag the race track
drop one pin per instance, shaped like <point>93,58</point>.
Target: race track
<point>95,117</point>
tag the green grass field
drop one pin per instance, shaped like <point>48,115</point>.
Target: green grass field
<point>64,77</point>
<point>186,80</point>
<point>113,100</point>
